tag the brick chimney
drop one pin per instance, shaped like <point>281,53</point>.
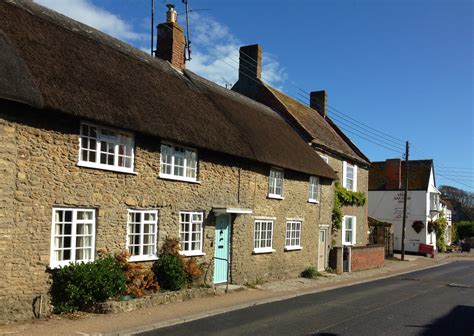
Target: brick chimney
<point>170,40</point>
<point>393,174</point>
<point>250,62</point>
<point>318,100</point>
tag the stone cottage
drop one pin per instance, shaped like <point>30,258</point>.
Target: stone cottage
<point>103,146</point>
<point>315,127</point>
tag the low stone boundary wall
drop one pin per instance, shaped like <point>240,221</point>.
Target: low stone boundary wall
<point>365,257</point>
<point>112,307</point>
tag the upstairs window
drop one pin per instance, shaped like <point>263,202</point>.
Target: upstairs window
<point>178,163</point>
<point>349,176</point>
<point>434,202</point>
<point>275,184</point>
<point>141,234</point>
<point>313,196</point>
<point>105,148</point>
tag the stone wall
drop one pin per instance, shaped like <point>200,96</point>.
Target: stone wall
<point>365,257</point>
<point>39,152</point>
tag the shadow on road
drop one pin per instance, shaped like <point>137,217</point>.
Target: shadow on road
<point>459,321</point>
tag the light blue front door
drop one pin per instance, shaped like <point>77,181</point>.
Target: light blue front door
<point>221,248</point>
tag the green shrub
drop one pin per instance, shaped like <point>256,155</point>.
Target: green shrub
<point>310,273</point>
<point>169,271</point>
<point>344,197</point>
<point>465,229</point>
<point>77,286</point>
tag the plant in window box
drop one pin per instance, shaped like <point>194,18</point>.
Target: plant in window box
<point>418,226</point>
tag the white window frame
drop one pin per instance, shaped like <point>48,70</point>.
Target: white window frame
<point>258,237</point>
<point>191,252</point>
<point>314,189</point>
<point>344,175</point>
<point>116,143</point>
<point>188,152</point>
<point>324,157</point>
<point>353,230</point>
<point>293,226</point>
<point>53,263</point>
<point>141,256</point>
<point>273,181</point>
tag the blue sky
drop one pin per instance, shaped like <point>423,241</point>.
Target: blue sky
<point>404,68</point>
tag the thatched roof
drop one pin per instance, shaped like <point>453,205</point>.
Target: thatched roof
<point>419,172</point>
<point>52,62</point>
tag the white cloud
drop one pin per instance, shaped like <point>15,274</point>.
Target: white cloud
<point>215,50</point>
<point>86,12</point>
<point>215,54</point>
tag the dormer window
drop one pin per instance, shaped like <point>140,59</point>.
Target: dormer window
<point>106,148</point>
<point>275,184</point>
<point>349,176</point>
<point>178,163</point>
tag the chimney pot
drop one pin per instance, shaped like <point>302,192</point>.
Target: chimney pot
<point>318,100</point>
<point>171,14</point>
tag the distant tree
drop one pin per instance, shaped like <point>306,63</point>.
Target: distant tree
<point>465,198</point>
<point>465,229</point>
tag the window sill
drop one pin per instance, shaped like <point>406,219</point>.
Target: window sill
<point>293,248</point>
<point>263,250</point>
<point>179,178</point>
<point>279,197</point>
<point>142,258</point>
<point>348,244</point>
<point>67,263</point>
<point>192,253</point>
<point>86,164</point>
<point>313,201</point>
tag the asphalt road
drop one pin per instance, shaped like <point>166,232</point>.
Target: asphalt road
<point>418,303</point>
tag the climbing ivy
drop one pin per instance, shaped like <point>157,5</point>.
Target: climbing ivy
<point>344,197</point>
<point>440,226</point>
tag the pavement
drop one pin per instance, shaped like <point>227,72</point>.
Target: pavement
<point>166,315</point>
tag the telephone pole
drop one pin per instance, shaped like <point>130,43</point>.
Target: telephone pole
<point>405,201</point>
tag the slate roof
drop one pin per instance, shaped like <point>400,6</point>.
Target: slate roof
<point>418,175</point>
<point>52,62</point>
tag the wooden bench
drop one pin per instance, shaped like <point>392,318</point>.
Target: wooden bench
<point>426,249</point>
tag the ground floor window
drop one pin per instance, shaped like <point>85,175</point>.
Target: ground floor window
<point>191,232</point>
<point>293,235</point>
<point>72,236</point>
<point>263,235</point>
<point>141,234</point>
<point>348,230</point>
